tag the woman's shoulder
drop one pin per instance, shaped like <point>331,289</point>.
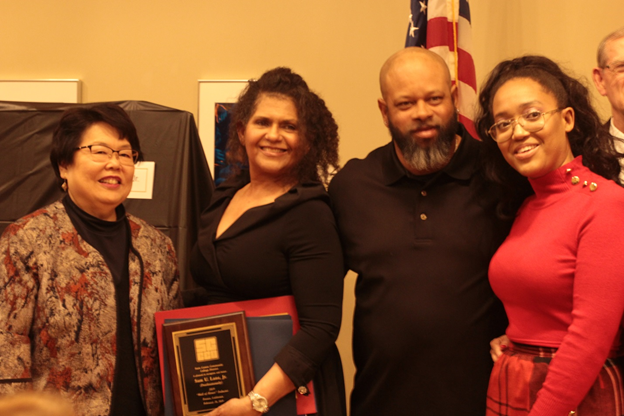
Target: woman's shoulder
<point>309,221</point>
<point>43,230</point>
<point>600,189</point>
<point>309,211</point>
<point>598,198</point>
<point>150,242</point>
<point>142,230</point>
<point>53,215</point>
<point>310,196</point>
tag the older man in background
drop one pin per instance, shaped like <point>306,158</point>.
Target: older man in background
<point>609,80</point>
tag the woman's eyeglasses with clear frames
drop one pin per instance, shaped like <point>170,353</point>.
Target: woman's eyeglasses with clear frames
<point>531,122</point>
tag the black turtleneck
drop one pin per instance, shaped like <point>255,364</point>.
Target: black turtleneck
<point>112,240</point>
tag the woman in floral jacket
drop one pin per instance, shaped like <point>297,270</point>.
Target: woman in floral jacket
<point>81,279</point>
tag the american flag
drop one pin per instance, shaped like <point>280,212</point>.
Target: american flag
<point>443,26</point>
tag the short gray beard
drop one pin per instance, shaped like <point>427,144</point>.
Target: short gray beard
<point>431,158</point>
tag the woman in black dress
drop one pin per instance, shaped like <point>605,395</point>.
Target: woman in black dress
<point>269,231</point>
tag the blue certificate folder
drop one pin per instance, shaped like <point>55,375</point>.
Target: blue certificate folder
<point>267,336</point>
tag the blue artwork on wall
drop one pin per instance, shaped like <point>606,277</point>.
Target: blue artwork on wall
<point>222,124</point>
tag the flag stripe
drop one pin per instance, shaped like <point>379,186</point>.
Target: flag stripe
<point>438,8</point>
<point>468,99</point>
<point>465,34</point>
<point>466,69</point>
<point>440,33</point>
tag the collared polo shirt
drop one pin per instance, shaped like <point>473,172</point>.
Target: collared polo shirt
<point>425,312</point>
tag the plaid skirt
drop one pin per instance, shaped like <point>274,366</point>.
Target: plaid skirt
<point>519,373</point>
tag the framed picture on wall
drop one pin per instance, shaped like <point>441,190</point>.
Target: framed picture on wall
<point>216,100</point>
<point>41,90</point>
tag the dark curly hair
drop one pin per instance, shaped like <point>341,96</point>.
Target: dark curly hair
<point>317,127</point>
<point>588,138</point>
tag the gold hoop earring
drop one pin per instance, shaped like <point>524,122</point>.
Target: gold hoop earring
<point>64,186</point>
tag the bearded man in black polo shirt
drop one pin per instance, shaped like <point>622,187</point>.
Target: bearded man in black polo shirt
<point>418,227</point>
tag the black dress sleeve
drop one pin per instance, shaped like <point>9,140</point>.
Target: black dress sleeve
<point>316,271</point>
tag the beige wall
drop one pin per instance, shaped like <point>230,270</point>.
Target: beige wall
<point>157,50</point>
<point>567,31</point>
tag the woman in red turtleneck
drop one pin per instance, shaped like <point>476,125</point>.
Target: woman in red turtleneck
<point>559,272</point>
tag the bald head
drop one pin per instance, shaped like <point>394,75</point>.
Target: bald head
<point>412,59</point>
<point>602,55</point>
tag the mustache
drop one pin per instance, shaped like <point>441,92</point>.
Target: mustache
<point>423,125</point>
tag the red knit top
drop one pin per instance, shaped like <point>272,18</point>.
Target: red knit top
<point>560,275</point>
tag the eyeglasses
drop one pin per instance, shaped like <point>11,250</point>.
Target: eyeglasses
<point>531,122</point>
<point>102,154</point>
<point>617,67</point>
